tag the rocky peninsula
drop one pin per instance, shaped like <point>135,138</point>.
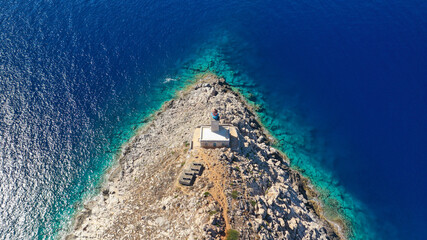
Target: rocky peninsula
<point>246,191</point>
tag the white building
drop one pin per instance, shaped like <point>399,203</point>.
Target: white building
<point>214,135</point>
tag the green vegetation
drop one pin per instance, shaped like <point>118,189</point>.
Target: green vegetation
<point>212,212</point>
<point>182,164</point>
<point>253,203</point>
<point>235,194</point>
<point>232,234</point>
<point>186,144</point>
<point>206,194</point>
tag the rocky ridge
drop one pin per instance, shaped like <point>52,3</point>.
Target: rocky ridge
<point>250,189</point>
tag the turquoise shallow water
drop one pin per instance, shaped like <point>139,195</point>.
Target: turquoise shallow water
<point>341,85</point>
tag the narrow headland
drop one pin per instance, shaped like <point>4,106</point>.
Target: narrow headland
<point>185,176</point>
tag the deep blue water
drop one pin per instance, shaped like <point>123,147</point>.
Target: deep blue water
<point>341,84</point>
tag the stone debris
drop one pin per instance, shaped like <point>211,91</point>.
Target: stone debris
<point>249,188</point>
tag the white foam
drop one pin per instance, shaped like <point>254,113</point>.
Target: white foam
<point>169,80</point>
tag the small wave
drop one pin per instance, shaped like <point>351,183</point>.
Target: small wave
<point>169,80</point>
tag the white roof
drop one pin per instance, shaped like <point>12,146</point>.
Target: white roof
<point>207,135</point>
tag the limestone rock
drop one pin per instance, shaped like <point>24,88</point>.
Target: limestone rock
<point>250,189</point>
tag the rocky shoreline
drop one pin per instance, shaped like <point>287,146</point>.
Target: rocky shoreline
<point>248,191</point>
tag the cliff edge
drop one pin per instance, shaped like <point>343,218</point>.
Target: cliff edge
<point>246,191</point>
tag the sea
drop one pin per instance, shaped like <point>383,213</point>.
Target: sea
<point>341,85</point>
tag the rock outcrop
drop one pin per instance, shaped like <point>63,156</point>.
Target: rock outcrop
<point>250,190</point>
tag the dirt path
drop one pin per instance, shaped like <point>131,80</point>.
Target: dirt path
<point>216,175</point>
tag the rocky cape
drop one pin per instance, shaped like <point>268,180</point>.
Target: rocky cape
<point>248,191</point>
